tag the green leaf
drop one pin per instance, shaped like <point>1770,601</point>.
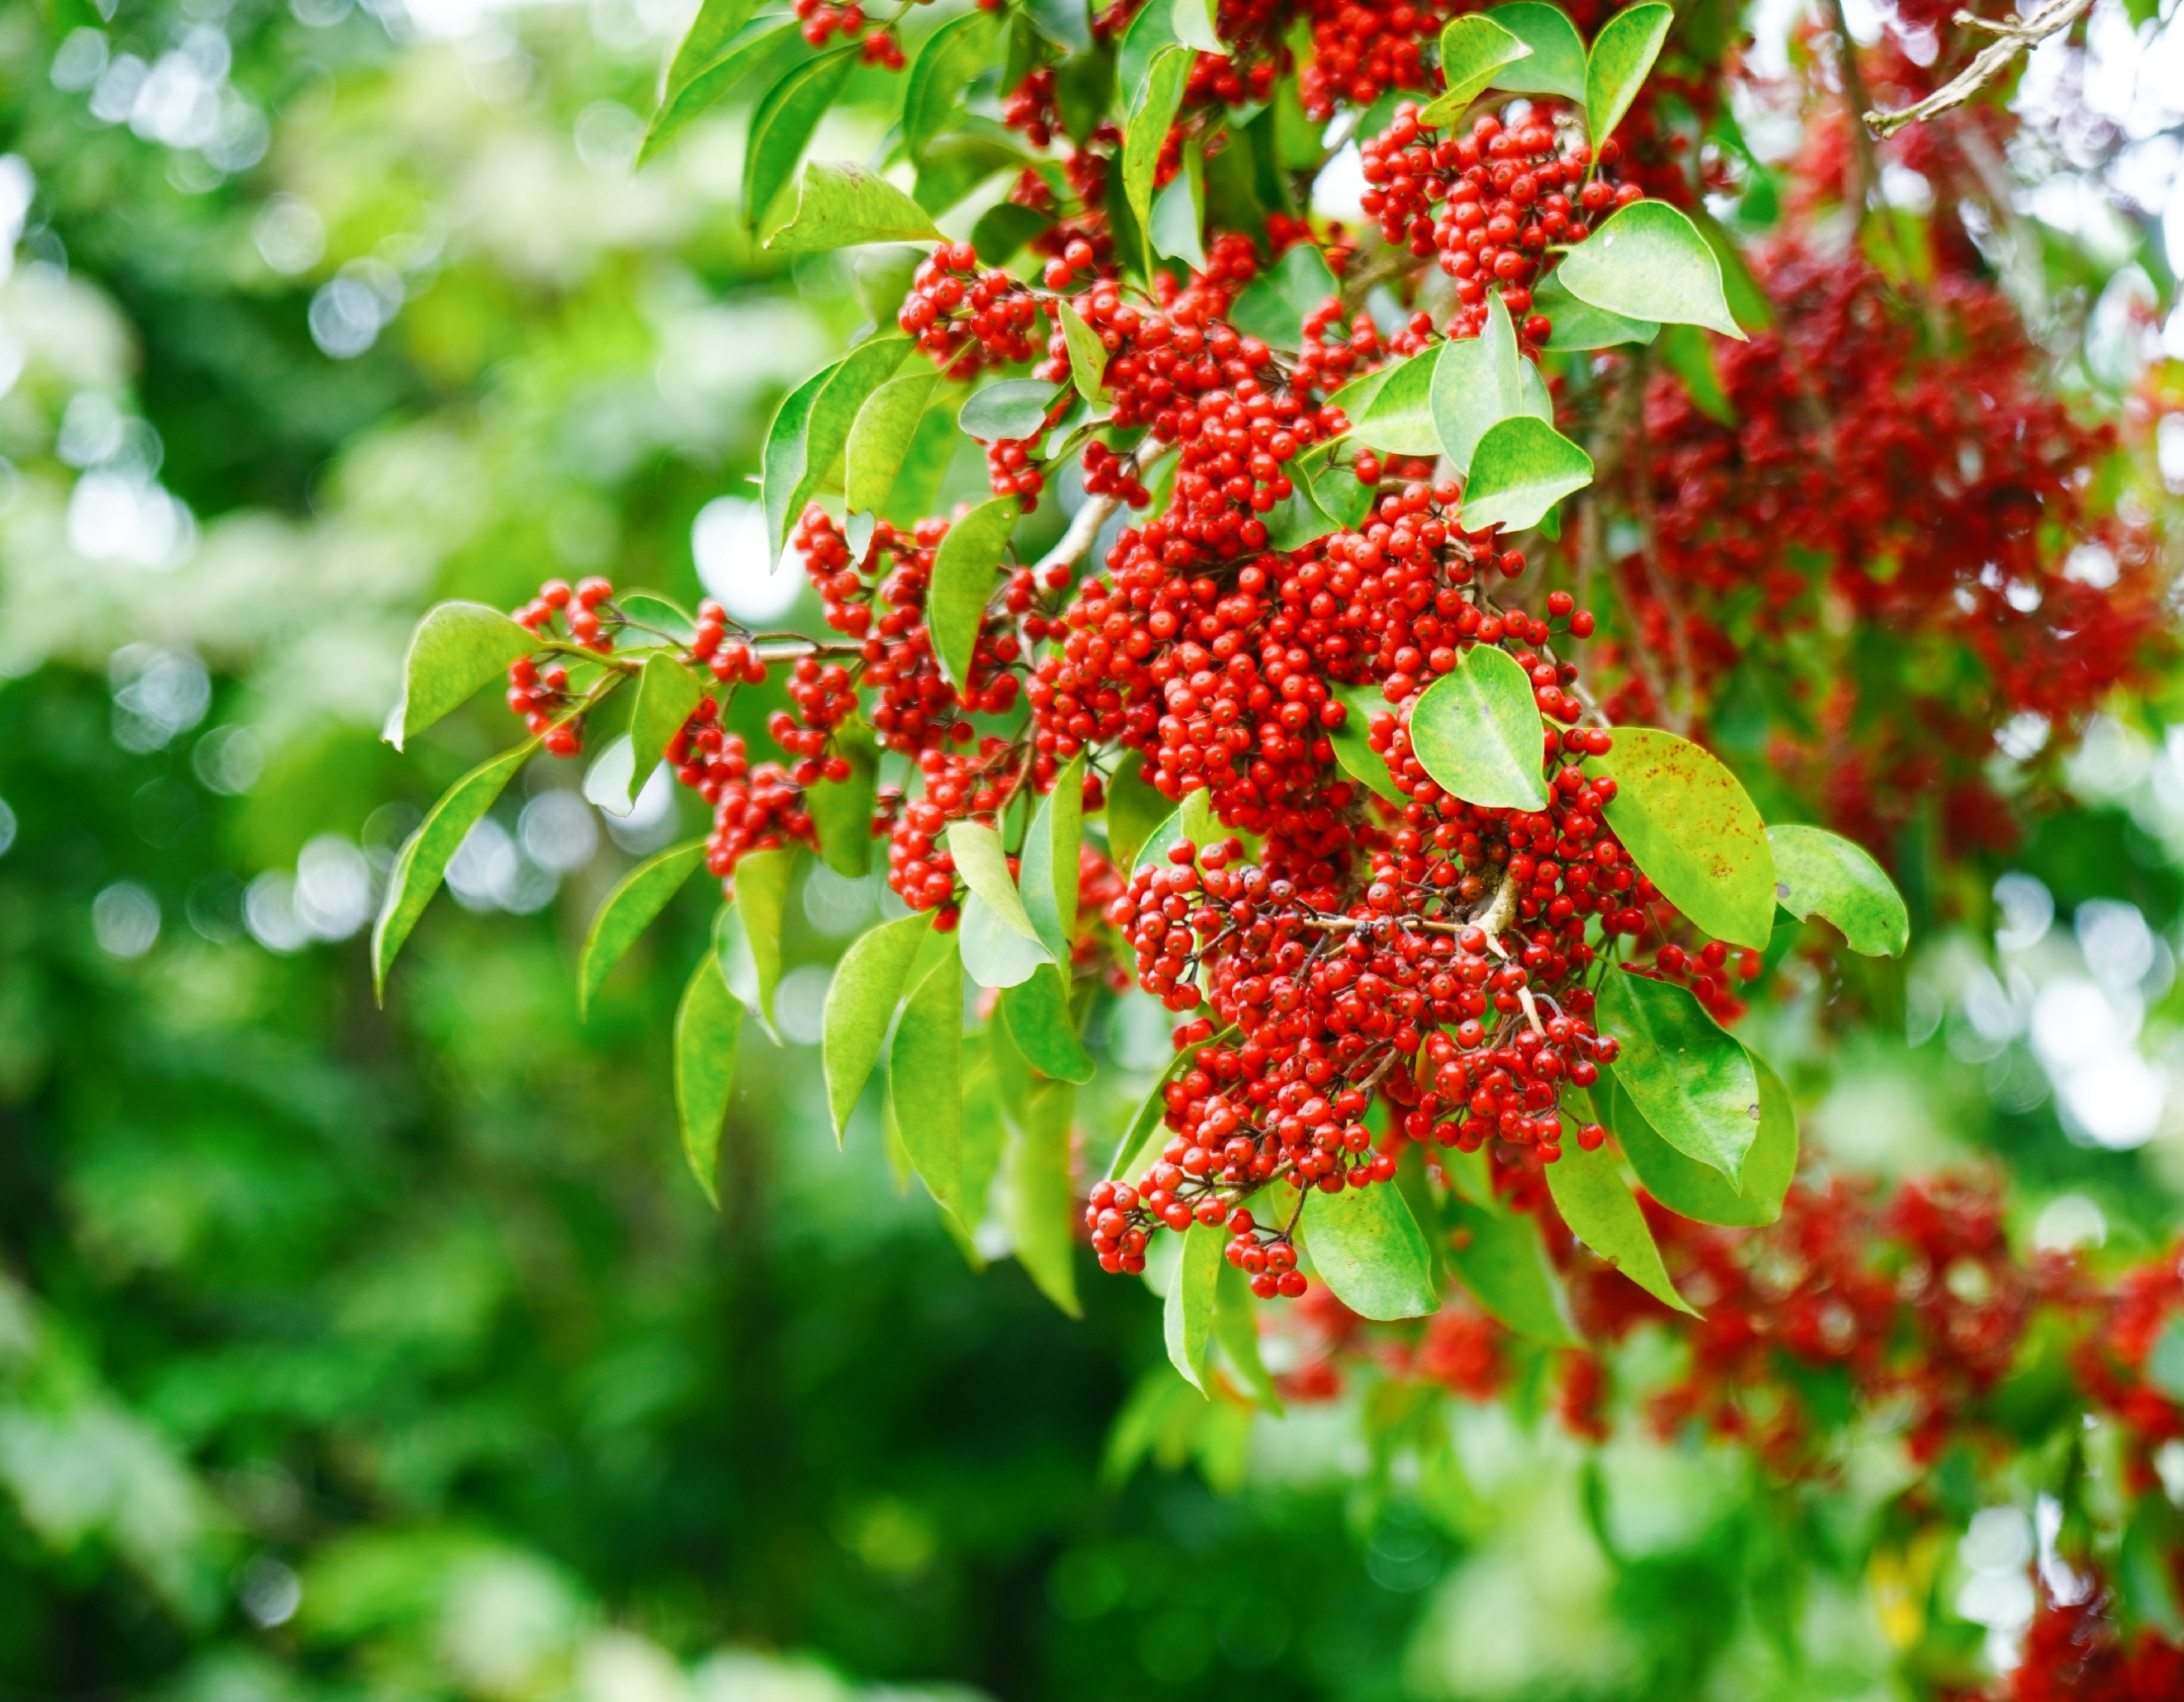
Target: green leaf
<point>995,954</point>
<point>1066,23</point>
<point>1369,1250</point>
<point>1040,1210</point>
<point>1275,305</point>
<point>424,858</point>
<point>1399,419</point>
<point>962,581</point>
<point>1596,1204</point>
<point>1689,824</point>
<point>925,1075</point>
<point>951,57</point>
<point>1521,469</point>
<point>985,1143</point>
<point>1649,261</point>
<point>1134,808</point>
<point>1043,1026</point>
<point>1748,302</point>
<point>1580,326</point>
<point>651,609</point>
<point>861,1002</point>
<point>1693,1083</point>
<point>1047,872</point>
<point>749,943</point>
<point>1699,1190</point>
<point>457,648</point>
<point>1087,355</point>
<point>1623,52</point>
<point>1150,34</point>
<point>1353,750</point>
<point>984,867</point>
<point>1153,109</point>
<point>1194,25</point>
<point>1474,49</point>
<point>716,23</point>
<point>707,1023</point>
<point>1690,356</point>
<point>1498,1257</point>
<point>840,205</point>
<point>1557,63</point>
<point>811,428</point>
<point>842,809</point>
<point>1482,380</point>
<point>643,894</point>
<point>1003,229</point>
<point>1011,411</point>
<point>1819,873</point>
<point>667,694</point>
<point>1177,225</point>
<point>783,125</point>
<point>744,56</point>
<point>1148,1131</point>
<point>880,437</point>
<point>1191,822</point>
<point>1187,1318</point>
<point>1236,1329</point>
<point>1476,731</point>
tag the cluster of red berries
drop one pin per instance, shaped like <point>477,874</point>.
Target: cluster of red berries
<point>1706,972</point>
<point>823,21</point>
<point>967,318</point>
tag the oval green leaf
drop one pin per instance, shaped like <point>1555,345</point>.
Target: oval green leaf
<point>744,56</point>
<point>1047,871</point>
<point>962,581</point>
<point>1148,1131</point>
<point>1236,1329</point>
<point>1153,109</point>
<point>995,954</point>
<point>811,429</point>
<point>1134,808</point>
<point>707,1024</point>
<point>1555,64</point>
<point>1399,419</point>
<point>1037,1013</point>
<point>1580,326</point>
<point>1819,873</point>
<point>1689,824</point>
<point>1476,731</point>
<point>1473,49</point>
<point>749,935</point>
<point>667,694</point>
<point>1648,261</point>
<point>1522,468</point>
<point>1275,305</point>
<point>783,125</point>
<point>925,1079</point>
<point>842,809</point>
<point>1369,1250</point>
<point>984,867</point>
<point>1187,1317</point>
<point>1009,412</point>
<point>1623,52</point>
<point>457,649</point>
<point>1353,750</point>
<point>1699,1190</point>
<point>880,437</point>
<point>1087,355</point>
<point>840,205</point>
<point>1038,1210</point>
<point>861,1002</point>
<point>940,77</point>
<point>1597,1205</point>
<point>1499,1258</point>
<point>424,860</point>
<point>642,895</point>
<point>1482,380</point>
<point>1690,1080</point>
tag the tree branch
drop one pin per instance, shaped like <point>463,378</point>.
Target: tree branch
<point>2012,37</point>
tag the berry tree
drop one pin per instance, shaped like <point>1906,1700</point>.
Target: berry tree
<point>1344,656</point>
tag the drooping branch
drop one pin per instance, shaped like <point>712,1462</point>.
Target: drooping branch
<point>2012,37</point>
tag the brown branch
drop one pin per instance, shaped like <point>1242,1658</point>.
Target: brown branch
<point>2012,37</point>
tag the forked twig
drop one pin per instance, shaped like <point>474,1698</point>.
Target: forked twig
<point>2012,37</point>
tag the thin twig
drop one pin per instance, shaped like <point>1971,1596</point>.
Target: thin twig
<point>2012,37</point>
<point>1084,525</point>
<point>1863,161</point>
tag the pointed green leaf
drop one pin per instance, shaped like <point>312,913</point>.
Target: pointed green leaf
<point>1699,1190</point>
<point>1689,824</point>
<point>1148,1131</point>
<point>1368,1250</point>
<point>1521,469</point>
<point>1193,21</point>
<point>629,909</point>
<point>1087,355</point>
<point>1399,419</point>
<point>1482,380</point>
<point>1041,1022</point>
<point>1498,1257</point>
<point>1134,809</point>
<point>1011,411</point>
<point>1353,750</point>
<point>995,954</point>
<point>962,581</point>
<point>1649,261</point>
<point>1579,325</point>
<point>1555,65</point>
<point>1152,110</point>
<point>842,809</point>
<point>743,55</point>
<point>880,437</point>
<point>1047,874</point>
<point>1187,1318</point>
<point>783,125</point>
<point>1275,305</point>
<point>1473,50</point>
<point>1150,33</point>
<point>811,429</point>
<point>1177,225</point>
<point>984,866</point>
<point>1819,873</point>
<point>861,1002</point>
<point>1476,731</point>
<point>707,1023</point>
<point>1191,822</point>
<point>1041,1209</point>
<point>925,1079</point>
<point>1066,23</point>
<point>840,205</point>
<point>749,943</point>
<point>424,858</point>
<point>667,694</point>
<point>985,1143</point>
<point>1594,1201</point>
<point>1687,353</point>
<point>457,649</point>
<point>1623,52</point>
<point>1236,1329</point>
<point>1690,1080</point>
<point>718,23</point>
<point>941,75</point>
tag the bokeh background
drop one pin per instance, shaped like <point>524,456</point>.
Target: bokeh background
<point>348,1352</point>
